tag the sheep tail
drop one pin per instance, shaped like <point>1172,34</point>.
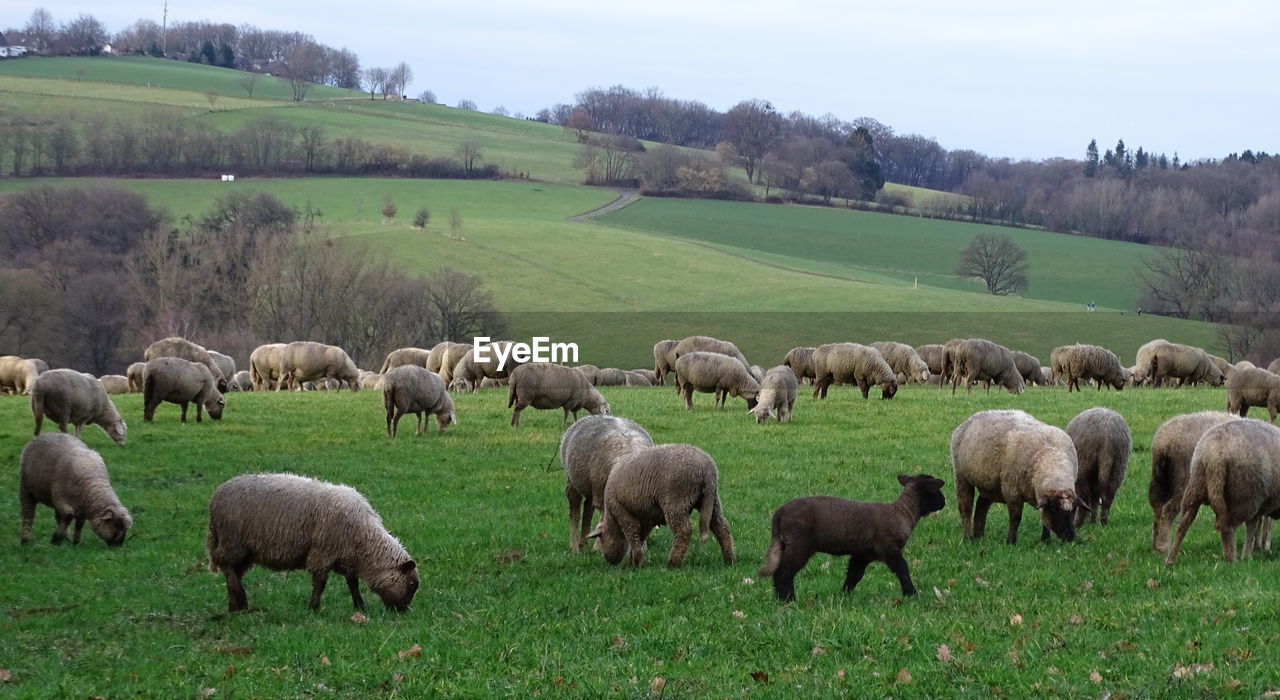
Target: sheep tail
<point>1215,489</point>
<point>511,394</point>
<point>211,543</point>
<point>385,365</point>
<point>772,556</point>
<point>708,509</point>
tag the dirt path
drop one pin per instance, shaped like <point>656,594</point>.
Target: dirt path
<point>625,197</point>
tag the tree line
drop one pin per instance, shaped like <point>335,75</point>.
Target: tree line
<point>92,275</point>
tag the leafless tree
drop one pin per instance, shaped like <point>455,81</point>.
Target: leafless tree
<point>312,141</point>
<point>995,259</point>
<point>303,66</point>
<point>465,103</point>
<point>40,29</point>
<point>375,81</point>
<point>427,97</point>
<point>249,81</point>
<point>752,126</point>
<point>399,78</point>
<point>468,153</point>
<point>460,307</point>
<point>84,35</point>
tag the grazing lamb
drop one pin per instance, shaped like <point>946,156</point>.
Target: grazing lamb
<point>134,373</point>
<point>800,360</point>
<point>1144,364</point>
<point>931,353</point>
<point>224,363</point>
<point>264,366</point>
<point>589,450</point>
<point>664,359</point>
<point>1236,470</point>
<point>435,356</point>
<point>176,380</point>
<point>590,372</point>
<point>1171,448</point>
<point>711,372</point>
<point>661,485</point>
<point>904,361</point>
<point>1253,387</point>
<point>1103,443</point>
<point>978,360</point>
<point>948,360</point>
<point>1029,367</point>
<point>1186,363</point>
<point>240,381</point>
<point>286,522</point>
<point>1226,368</point>
<point>306,361</point>
<point>115,383</point>
<point>1010,457</point>
<point>866,532</point>
<point>417,390</point>
<point>186,350</point>
<point>703,343</point>
<point>67,396</point>
<point>642,377</point>
<point>777,395</point>
<point>466,374</point>
<point>610,376</point>
<point>546,386</point>
<point>61,472</point>
<point>408,356</point>
<point>851,363</point>
<point>1089,362</point>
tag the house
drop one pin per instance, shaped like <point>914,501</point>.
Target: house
<point>8,50</point>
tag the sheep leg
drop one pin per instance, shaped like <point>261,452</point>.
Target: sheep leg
<point>39,421</point>
<point>62,521</point>
<point>794,557</point>
<point>1188,516</point>
<point>1252,533</point>
<point>75,537</point>
<point>1015,519</point>
<point>681,535</point>
<point>857,567</point>
<point>1229,544</point>
<point>964,501</point>
<point>318,581</point>
<point>199,409</point>
<point>865,387</point>
<point>353,585</point>
<point>1162,529</point>
<point>720,529</point>
<point>236,598</point>
<point>632,533</point>
<point>980,516</point>
<point>898,565</point>
<point>395,424</point>
<point>421,424</point>
<point>28,516</point>
<point>184,411</point>
<point>575,515</point>
<point>688,396</point>
<point>515,416</point>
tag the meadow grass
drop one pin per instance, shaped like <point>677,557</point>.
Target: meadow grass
<point>505,608</point>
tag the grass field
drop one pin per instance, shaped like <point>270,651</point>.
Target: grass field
<point>505,608</point>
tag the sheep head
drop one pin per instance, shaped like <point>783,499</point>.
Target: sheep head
<point>888,389</point>
<point>929,488</point>
<point>1057,513</point>
<point>112,524</point>
<point>396,585</point>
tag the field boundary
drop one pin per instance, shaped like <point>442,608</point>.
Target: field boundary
<point>625,197</point>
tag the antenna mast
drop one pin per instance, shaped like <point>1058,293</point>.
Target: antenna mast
<point>164,31</point>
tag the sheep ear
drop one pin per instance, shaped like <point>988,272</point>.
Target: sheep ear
<point>1081,504</point>
<point>595,534</point>
<point>905,479</point>
<point>408,566</point>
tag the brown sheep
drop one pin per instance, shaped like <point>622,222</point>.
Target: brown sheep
<point>1103,444</point>
<point>187,350</point>
<point>176,380</point>
<point>67,396</point>
<point>61,472</point>
<point>851,363</point>
<point>416,390</point>
<point>1171,449</point>
<point>546,386</point>
<point>1253,387</point>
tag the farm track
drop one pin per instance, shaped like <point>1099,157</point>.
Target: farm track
<point>625,197</point>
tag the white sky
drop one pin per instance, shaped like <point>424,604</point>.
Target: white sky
<point>1006,78</point>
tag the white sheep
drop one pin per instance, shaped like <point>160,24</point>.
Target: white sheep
<point>60,471</point>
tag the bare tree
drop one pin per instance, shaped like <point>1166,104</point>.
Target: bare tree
<point>389,208</point>
<point>312,140</point>
<point>399,78</point>
<point>84,35</point>
<point>997,261</point>
<point>465,103</point>
<point>375,81</point>
<point>40,29</point>
<point>460,306</point>
<point>455,220</point>
<point>752,126</point>
<point>468,153</point>
<point>249,81</point>
<point>427,97</point>
<point>303,66</point>
<point>1183,281</point>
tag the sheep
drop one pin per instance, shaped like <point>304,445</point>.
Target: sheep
<point>264,366</point>
<point>407,356</point>
<point>449,359</point>
<point>800,360</point>
<point>661,485</point>
<point>866,532</point>
<point>1171,449</point>
<point>1235,469</point>
<point>545,386</point>
<point>757,372</point>
<point>67,396</point>
<point>1089,362</point>
<point>417,390</point>
<point>931,353</point>
<point>1245,364</point>
<point>664,359</point>
<point>435,356</point>
<point>777,395</point>
<point>1253,387</point>
<point>224,363</point>
<point>287,522</point>
<point>711,372</point>
<point>649,376</point>
<point>1186,363</point>
<point>948,359</point>
<point>1010,457</point>
<point>979,360</point>
<point>60,471</point>
<point>703,343</point>
<point>306,361</point>
<point>491,383</point>
<point>1274,367</point>
<point>115,383</point>
<point>589,450</point>
<point>187,350</point>
<point>134,373</point>
<point>610,376</point>
<point>1029,367</point>
<point>466,373</point>
<point>590,372</point>
<point>1103,442</point>
<point>240,381</point>
<point>904,361</point>
<point>1226,368</point>
<point>1143,365</point>
<point>18,374</point>
<point>176,380</point>
<point>851,363</point>
<point>371,380</point>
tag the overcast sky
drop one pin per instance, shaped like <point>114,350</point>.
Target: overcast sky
<point>1006,78</point>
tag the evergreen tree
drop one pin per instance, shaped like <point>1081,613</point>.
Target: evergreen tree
<point>226,56</point>
<point>207,54</point>
<point>860,155</point>
<point>1141,159</point>
<point>1091,159</point>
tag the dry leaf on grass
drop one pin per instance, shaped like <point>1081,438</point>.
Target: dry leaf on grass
<point>413,652</point>
<point>359,618</point>
<point>657,684</point>
<point>944,653</point>
<point>760,676</point>
<point>6,676</point>
<point>1015,619</point>
<point>619,642</point>
<point>324,661</point>
<point>1095,677</point>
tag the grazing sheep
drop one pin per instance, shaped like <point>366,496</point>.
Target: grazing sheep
<point>1089,362</point>
<point>703,343</point>
<point>466,374</point>
<point>664,359</point>
<point>67,396</point>
<point>661,485</point>
<point>1171,448</point>
<point>649,377</point>
<point>904,361</point>
<point>1010,457</point>
<point>61,472</point>
<point>1144,364</point>
<point>417,390</point>
<point>545,386</point>
<point>800,360</point>
<point>1103,443</point>
<point>286,522</point>
<point>1245,364</point>
<point>948,359</point>
<point>491,383</point>
<point>931,353</point>
<point>978,360</point>
<point>134,373</point>
<point>240,381</point>
<point>449,359</point>
<point>711,372</point>
<point>1226,368</point>
<point>589,450</point>
<point>851,363</point>
<point>408,356</point>
<point>1186,363</point>
<point>610,376</point>
<point>590,372</point>
<point>187,350</point>
<point>306,361</point>
<point>777,395</point>
<point>1274,367</point>
<point>115,383</point>
<point>371,380</point>
<point>866,532</point>
<point>1029,367</point>
<point>1253,387</point>
<point>176,380</point>
<point>757,372</point>
<point>1235,469</point>
<point>18,374</point>
<point>264,366</point>
<point>224,363</point>
<point>435,356</point>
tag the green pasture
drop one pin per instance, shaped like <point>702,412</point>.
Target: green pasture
<point>506,609</point>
